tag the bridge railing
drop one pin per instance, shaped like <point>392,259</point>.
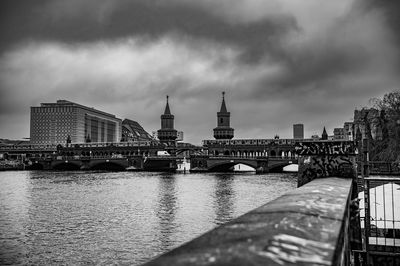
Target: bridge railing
<point>294,157</point>
<point>82,157</point>
<point>115,144</point>
<point>255,142</point>
<point>30,147</point>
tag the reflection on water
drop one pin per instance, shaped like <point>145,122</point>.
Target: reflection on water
<point>224,198</point>
<point>119,218</point>
<point>166,209</point>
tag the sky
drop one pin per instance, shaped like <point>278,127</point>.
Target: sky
<point>280,62</point>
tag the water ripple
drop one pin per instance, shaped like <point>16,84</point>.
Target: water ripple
<point>109,218</point>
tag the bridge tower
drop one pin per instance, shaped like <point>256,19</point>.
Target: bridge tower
<point>223,129</point>
<point>167,134</point>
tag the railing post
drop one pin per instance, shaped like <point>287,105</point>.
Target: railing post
<point>365,151</point>
<point>367,220</point>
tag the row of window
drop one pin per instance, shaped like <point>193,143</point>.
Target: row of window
<point>41,110</point>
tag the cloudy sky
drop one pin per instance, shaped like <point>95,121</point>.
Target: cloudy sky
<point>280,61</point>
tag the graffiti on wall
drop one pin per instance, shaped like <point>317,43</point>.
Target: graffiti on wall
<point>312,167</point>
<point>326,148</point>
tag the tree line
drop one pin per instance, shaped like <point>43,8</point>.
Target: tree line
<point>387,121</point>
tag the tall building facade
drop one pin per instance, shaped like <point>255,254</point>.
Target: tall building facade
<point>52,123</point>
<point>223,129</point>
<point>298,131</point>
<point>167,134</point>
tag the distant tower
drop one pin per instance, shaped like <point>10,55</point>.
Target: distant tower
<point>167,133</point>
<point>324,135</point>
<point>223,129</point>
<point>298,131</point>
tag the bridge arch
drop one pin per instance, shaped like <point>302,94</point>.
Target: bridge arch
<point>69,166</point>
<point>36,166</point>
<point>227,166</point>
<point>278,167</point>
<point>108,166</point>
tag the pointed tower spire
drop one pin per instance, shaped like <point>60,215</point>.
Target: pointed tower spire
<point>223,129</point>
<point>167,134</point>
<point>167,111</point>
<point>223,105</point>
<point>324,135</point>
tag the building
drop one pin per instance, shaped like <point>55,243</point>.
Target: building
<point>53,123</point>
<point>167,134</point>
<point>324,135</point>
<point>339,133</point>
<point>154,135</point>
<point>298,131</point>
<point>349,130</point>
<point>179,136</point>
<point>223,129</point>
<point>133,131</point>
<point>315,137</point>
<point>367,121</point>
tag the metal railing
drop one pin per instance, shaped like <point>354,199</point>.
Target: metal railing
<point>384,168</point>
<point>380,220</point>
<point>381,217</point>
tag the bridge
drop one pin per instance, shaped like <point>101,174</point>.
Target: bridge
<point>138,155</point>
<point>264,155</point>
<point>114,163</point>
<point>205,163</point>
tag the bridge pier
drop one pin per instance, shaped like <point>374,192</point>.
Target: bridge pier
<point>262,166</point>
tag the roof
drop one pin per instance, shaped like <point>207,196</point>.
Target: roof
<point>167,110</point>
<point>223,105</point>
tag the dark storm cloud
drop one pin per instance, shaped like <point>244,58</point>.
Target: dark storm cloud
<point>391,10</point>
<point>356,44</point>
<point>391,13</point>
<point>86,21</point>
<point>281,62</point>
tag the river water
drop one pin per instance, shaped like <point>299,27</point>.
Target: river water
<point>119,217</point>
